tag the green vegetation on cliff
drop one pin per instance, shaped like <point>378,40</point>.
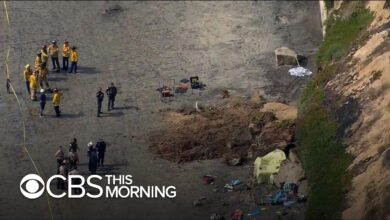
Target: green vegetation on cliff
<point>341,32</point>
<point>329,4</point>
<point>322,152</point>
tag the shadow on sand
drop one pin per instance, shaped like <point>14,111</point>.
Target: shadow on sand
<point>111,114</point>
<point>86,70</point>
<point>107,169</point>
<point>127,108</point>
<point>66,115</point>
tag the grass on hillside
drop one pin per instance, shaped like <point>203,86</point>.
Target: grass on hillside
<point>324,157</point>
<point>340,33</point>
<point>323,154</point>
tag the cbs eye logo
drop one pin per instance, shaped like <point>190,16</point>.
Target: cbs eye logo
<point>29,186</point>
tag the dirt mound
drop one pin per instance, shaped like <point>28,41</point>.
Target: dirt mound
<point>234,130</point>
<point>282,111</point>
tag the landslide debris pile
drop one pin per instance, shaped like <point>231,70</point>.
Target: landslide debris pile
<point>233,130</point>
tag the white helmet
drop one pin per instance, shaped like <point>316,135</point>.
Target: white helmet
<point>90,144</point>
<point>42,90</point>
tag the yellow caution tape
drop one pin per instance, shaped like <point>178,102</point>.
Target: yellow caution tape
<point>21,112</point>
<point>6,12</point>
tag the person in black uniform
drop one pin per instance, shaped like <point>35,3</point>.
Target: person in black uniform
<point>42,101</point>
<point>101,150</point>
<point>111,93</point>
<point>99,96</point>
<point>73,146</point>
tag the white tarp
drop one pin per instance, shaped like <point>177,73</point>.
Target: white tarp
<point>299,71</point>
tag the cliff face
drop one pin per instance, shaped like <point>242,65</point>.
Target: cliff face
<point>363,89</point>
<point>344,116</point>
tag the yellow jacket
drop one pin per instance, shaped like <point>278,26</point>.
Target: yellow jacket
<point>57,99</point>
<point>74,57</point>
<point>26,74</point>
<point>66,51</point>
<point>44,56</point>
<point>37,63</point>
<point>53,50</point>
<point>33,82</point>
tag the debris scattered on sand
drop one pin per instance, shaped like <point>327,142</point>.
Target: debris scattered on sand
<point>237,215</point>
<point>254,213</point>
<point>181,88</point>
<point>234,161</point>
<point>225,94</point>
<point>208,179</point>
<point>199,107</point>
<point>113,9</point>
<point>185,80</point>
<point>216,216</point>
<point>299,71</point>
<point>282,19</point>
<point>235,182</point>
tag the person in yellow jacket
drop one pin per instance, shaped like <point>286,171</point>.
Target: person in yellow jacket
<point>43,72</point>
<point>26,75</point>
<point>38,61</point>
<point>74,58</point>
<point>56,102</point>
<point>44,54</point>
<point>53,52</point>
<point>65,55</point>
<point>34,85</point>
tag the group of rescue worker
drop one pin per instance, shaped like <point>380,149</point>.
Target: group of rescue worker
<point>38,78</point>
<point>67,165</point>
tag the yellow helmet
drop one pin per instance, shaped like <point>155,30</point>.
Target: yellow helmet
<point>27,66</point>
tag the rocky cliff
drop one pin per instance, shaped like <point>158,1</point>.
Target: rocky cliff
<point>344,115</point>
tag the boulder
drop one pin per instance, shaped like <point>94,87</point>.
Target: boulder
<point>257,101</point>
<point>289,172</point>
<point>286,56</point>
<point>281,110</point>
<point>303,187</point>
<point>293,156</point>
